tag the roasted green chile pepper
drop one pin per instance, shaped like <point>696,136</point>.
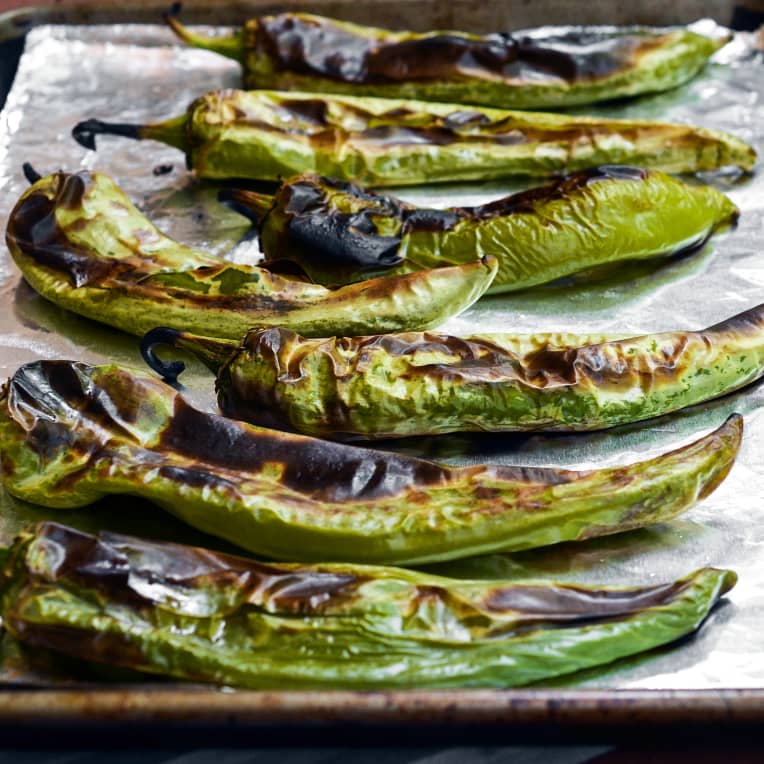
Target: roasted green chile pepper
<point>427,384</point>
<point>270,135</point>
<point>195,614</point>
<point>533,69</point>
<point>71,434</point>
<point>81,243</point>
<point>339,233</point>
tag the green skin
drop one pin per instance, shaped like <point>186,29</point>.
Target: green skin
<point>194,614</point>
<point>559,68</point>
<point>581,221</point>
<point>81,243</point>
<point>269,135</point>
<point>428,384</point>
<point>71,434</point>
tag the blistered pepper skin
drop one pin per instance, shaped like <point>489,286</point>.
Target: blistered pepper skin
<point>338,232</point>
<point>429,384</point>
<point>537,69</point>
<point>81,243</point>
<point>269,135</point>
<point>194,614</point>
<point>71,434</point>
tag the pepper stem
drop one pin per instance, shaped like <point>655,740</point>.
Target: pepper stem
<point>232,47</point>
<point>171,132</point>
<point>213,353</point>
<point>30,173</point>
<point>251,204</point>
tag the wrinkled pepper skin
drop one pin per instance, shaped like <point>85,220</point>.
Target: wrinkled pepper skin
<point>534,69</point>
<point>194,614</point>
<point>71,434</point>
<point>428,384</point>
<point>268,135</point>
<point>338,232</point>
<point>81,243</point>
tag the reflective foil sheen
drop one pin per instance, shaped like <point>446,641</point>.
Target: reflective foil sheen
<point>136,73</point>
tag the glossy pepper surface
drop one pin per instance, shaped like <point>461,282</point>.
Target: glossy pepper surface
<point>82,244</point>
<point>71,434</point>
<point>194,614</point>
<point>533,69</point>
<point>269,135</point>
<point>428,383</point>
<point>338,232</point>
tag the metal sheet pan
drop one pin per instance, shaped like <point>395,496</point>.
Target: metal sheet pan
<point>136,73</point>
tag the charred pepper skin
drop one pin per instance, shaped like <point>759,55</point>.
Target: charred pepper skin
<point>268,135</point>
<point>536,69</point>
<point>71,434</point>
<point>195,614</point>
<point>428,384</point>
<point>81,243</point>
<point>339,233</point>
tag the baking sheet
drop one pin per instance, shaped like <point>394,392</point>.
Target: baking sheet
<point>136,73</point>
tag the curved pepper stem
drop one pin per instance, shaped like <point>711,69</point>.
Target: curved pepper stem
<point>30,173</point>
<point>213,353</point>
<point>171,132</point>
<point>232,47</point>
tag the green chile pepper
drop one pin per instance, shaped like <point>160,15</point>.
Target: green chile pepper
<point>532,69</point>
<point>426,384</point>
<point>268,135</point>
<point>71,434</point>
<point>81,243</point>
<point>340,233</point>
<point>195,614</point>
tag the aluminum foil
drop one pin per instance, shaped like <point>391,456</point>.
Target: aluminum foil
<point>136,73</point>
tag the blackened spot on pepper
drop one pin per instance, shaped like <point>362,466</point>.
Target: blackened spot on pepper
<point>75,556</point>
<point>552,364</point>
<point>320,47</point>
<point>562,188</point>
<point>430,220</point>
<point>583,54</point>
<point>136,570</point>
<point>328,235</point>
<point>194,477</point>
<point>532,477</point>
<point>464,117</point>
<point>58,403</point>
<point>305,592</point>
<point>327,471</point>
<point>310,109</point>
<point>34,230</point>
<point>396,135</point>
<point>162,169</point>
<point>559,602</point>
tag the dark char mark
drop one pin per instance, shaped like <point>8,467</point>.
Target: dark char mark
<point>136,570</point>
<point>57,400</point>
<point>331,236</point>
<point>568,185</point>
<point>318,47</point>
<point>35,231</point>
<point>559,602</point>
<point>326,471</point>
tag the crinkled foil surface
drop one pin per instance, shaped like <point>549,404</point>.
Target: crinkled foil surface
<point>136,74</point>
